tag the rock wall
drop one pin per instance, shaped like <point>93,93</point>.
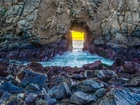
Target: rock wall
<point>22,15</point>
<point>113,23</point>
<point>17,18</point>
<point>49,20</point>
<point>116,21</point>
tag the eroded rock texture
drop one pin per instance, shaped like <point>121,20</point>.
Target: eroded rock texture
<point>111,23</point>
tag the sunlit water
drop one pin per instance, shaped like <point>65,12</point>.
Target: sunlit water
<point>76,58</point>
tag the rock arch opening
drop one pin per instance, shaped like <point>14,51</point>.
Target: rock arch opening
<point>78,37</point>
<point>77,40</point>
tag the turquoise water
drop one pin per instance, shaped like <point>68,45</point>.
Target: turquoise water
<point>75,59</point>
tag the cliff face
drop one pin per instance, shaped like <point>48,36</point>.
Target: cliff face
<point>20,15</point>
<point>114,23</point>
<point>49,20</point>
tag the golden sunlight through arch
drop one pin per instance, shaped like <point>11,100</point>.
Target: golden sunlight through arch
<point>76,35</point>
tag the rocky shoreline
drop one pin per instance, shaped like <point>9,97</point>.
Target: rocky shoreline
<point>130,54</point>
<point>31,50</point>
<point>92,84</point>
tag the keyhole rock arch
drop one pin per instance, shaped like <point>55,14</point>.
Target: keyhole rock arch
<point>81,27</point>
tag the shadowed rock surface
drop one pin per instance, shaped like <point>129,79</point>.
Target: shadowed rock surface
<point>111,28</point>
<point>70,85</point>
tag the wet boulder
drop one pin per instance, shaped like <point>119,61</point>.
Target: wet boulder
<point>13,100</point>
<point>77,77</point>
<point>5,95</point>
<point>105,74</point>
<point>56,80</point>
<point>32,86</point>
<point>34,77</point>
<point>64,75</point>
<point>118,81</point>
<point>100,93</point>
<point>8,87</point>
<point>31,97</point>
<point>21,95</point>
<point>42,91</point>
<point>49,100</point>
<point>89,74</point>
<point>60,91</point>
<point>88,85</point>
<point>93,66</point>
<point>10,77</point>
<point>81,98</point>
<point>120,97</point>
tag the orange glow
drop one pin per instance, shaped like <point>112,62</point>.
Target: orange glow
<point>76,35</point>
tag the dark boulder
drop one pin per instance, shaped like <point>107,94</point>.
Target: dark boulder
<point>5,95</point>
<point>100,93</point>
<point>120,97</point>
<point>13,101</point>
<point>36,66</point>
<point>93,66</point>
<point>30,98</point>
<point>60,91</point>
<point>49,100</point>
<point>6,86</point>
<point>88,85</point>
<point>130,68</point>
<point>78,77</point>
<point>32,86</point>
<point>81,98</point>
<point>3,71</point>
<point>119,62</point>
<point>34,77</point>
<point>135,81</point>
<point>103,75</point>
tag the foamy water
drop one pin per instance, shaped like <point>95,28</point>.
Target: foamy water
<point>76,58</point>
